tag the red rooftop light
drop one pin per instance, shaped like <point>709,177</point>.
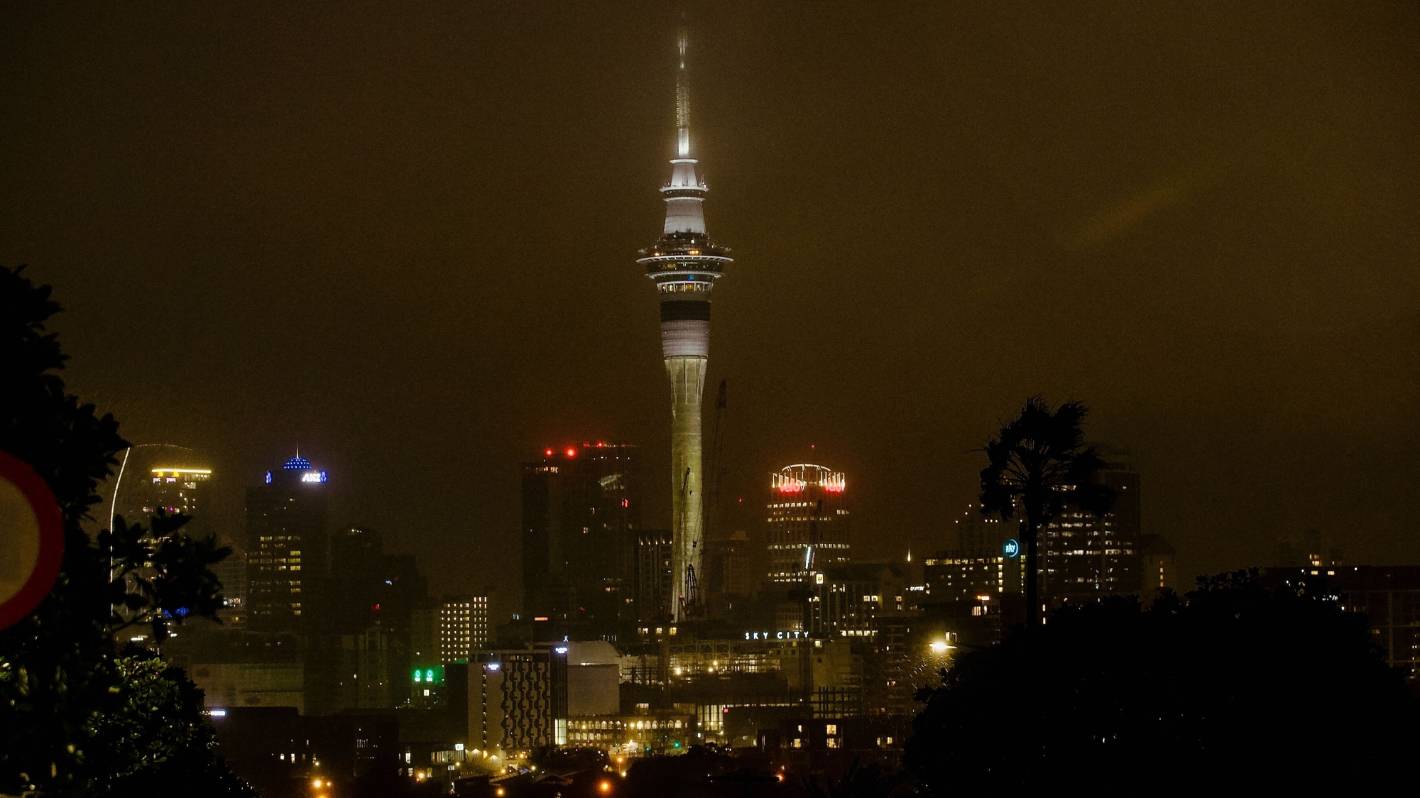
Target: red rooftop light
<point>571,451</point>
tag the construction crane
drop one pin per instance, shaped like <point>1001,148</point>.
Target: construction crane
<point>717,463</point>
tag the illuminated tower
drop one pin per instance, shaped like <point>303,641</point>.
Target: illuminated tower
<point>684,264</point>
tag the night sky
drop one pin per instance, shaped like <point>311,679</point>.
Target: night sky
<point>403,237</point>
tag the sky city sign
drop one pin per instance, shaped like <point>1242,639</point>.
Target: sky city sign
<point>779,635</point>
<point>31,539</point>
<point>1011,548</point>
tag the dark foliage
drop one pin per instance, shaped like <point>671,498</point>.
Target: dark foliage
<point>860,781</point>
<point>1036,465</point>
<point>1235,686</point>
<point>61,678</point>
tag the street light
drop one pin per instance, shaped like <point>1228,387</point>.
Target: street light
<point>940,647</point>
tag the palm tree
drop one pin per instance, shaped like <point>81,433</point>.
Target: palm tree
<point>1036,466</point>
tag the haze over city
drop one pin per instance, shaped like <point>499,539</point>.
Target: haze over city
<point>421,229</point>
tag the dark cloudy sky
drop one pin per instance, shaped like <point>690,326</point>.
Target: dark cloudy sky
<point>402,236</point>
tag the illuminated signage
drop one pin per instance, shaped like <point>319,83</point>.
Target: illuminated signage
<point>778,635</point>
<point>429,675</point>
<point>313,476</point>
<point>1011,548</point>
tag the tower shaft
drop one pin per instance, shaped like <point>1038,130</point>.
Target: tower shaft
<point>687,376</point>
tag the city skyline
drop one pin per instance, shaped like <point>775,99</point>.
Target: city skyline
<point>1263,337</point>
<point>1060,429</point>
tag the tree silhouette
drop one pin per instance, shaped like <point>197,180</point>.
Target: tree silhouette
<point>1235,686</point>
<point>1036,465</point>
<point>61,677</point>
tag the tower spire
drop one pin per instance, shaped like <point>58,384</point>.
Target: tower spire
<point>682,97</point>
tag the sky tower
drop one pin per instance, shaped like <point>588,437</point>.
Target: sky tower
<point>684,264</point>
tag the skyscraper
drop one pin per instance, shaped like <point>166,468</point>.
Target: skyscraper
<point>808,523</point>
<point>153,476</point>
<point>287,545</point>
<point>653,579</point>
<point>684,264</point>
<point>174,489</point>
<point>581,506</point>
<point>1084,557</point>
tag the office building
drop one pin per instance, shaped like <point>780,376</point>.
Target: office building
<point>287,545</point>
<point>580,510</point>
<point>807,522</point>
<point>1083,557</point>
<point>847,599</point>
<point>654,575</point>
<point>1157,570</point>
<point>1387,595</point>
<point>463,627</point>
<point>730,576</point>
<point>518,698</point>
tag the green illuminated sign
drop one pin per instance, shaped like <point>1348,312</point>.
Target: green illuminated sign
<point>433,675</point>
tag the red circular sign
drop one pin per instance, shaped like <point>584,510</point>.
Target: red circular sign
<point>31,539</point>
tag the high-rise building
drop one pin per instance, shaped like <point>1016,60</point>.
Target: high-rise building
<point>1157,570</point>
<point>1387,595</point>
<point>359,638</point>
<point>517,699</point>
<point>154,476</point>
<point>463,627</point>
<point>174,489</point>
<point>808,522</point>
<point>847,599</point>
<point>981,567</point>
<point>581,506</point>
<point>654,576</point>
<point>173,479</point>
<point>1083,556</point>
<point>729,576</point>
<point>684,264</point>
<point>287,545</point>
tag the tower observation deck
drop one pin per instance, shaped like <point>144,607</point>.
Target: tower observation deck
<point>684,264</point>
